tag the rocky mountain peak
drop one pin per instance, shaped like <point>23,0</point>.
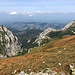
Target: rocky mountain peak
<point>43,36</point>
<point>71,24</point>
<point>9,45</point>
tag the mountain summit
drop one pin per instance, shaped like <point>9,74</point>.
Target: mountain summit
<point>71,24</point>
<point>9,45</point>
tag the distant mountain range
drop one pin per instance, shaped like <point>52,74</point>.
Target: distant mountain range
<point>33,25</point>
<point>36,17</point>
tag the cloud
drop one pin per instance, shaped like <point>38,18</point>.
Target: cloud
<point>23,13</point>
<point>29,14</point>
<point>14,13</point>
<point>41,12</point>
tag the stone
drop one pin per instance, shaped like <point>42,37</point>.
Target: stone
<point>9,43</point>
<point>43,35</point>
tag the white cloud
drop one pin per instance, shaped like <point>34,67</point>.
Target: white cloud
<point>14,13</point>
<point>42,12</point>
<point>29,14</point>
<point>22,13</point>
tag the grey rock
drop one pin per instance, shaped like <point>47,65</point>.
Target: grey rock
<point>71,24</point>
<point>9,43</point>
<point>43,35</point>
<point>22,73</point>
<point>46,71</point>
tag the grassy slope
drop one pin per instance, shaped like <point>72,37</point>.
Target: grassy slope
<point>50,55</point>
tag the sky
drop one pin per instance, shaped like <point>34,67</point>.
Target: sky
<point>32,6</point>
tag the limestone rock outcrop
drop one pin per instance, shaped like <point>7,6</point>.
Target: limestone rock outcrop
<point>71,24</point>
<point>43,35</point>
<point>9,45</point>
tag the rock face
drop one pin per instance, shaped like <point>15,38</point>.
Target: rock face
<point>8,43</point>
<point>43,35</point>
<point>71,24</point>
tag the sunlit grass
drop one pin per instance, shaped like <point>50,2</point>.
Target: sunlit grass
<point>47,56</point>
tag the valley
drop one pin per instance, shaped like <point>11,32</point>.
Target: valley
<point>34,25</point>
<point>30,31</point>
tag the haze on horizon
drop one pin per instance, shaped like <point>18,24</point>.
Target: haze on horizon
<point>37,10</point>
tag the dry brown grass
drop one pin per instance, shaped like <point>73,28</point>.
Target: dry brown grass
<point>49,55</point>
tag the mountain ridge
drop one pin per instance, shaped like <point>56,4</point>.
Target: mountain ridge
<point>49,33</point>
<point>71,24</point>
<point>43,36</point>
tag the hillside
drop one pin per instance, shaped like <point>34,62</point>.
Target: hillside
<point>27,37</point>
<point>56,55</point>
